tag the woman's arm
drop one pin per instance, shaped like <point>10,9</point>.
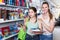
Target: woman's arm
<point>50,27</point>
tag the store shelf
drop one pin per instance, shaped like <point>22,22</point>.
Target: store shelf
<point>7,21</point>
<point>23,7</point>
<point>11,7</point>
<point>10,36</point>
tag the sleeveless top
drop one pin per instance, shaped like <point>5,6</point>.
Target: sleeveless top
<point>44,29</point>
<point>31,26</point>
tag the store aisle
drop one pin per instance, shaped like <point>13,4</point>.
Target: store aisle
<point>56,33</point>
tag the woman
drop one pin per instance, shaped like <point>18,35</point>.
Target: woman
<point>47,22</point>
<point>32,26</point>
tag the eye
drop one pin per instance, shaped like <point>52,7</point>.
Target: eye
<point>46,7</point>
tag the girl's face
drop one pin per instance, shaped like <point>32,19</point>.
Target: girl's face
<point>31,13</point>
<point>45,8</point>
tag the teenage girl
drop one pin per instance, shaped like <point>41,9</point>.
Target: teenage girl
<point>32,25</point>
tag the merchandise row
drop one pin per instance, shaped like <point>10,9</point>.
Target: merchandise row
<point>12,15</point>
<point>15,2</point>
<point>9,31</point>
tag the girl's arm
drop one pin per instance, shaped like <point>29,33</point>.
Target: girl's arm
<point>24,26</point>
<point>40,27</point>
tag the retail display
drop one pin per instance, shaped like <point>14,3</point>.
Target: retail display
<point>14,28</point>
<point>11,13</point>
<point>22,3</point>
<point>8,30</point>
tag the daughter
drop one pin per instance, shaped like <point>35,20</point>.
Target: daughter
<point>32,25</point>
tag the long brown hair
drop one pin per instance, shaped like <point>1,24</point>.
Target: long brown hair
<point>50,14</point>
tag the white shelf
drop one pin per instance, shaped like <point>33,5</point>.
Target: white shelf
<point>23,7</point>
<point>11,7</point>
<point>9,36</point>
<point>7,21</point>
<point>8,5</point>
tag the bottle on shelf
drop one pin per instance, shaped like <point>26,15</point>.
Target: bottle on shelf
<point>6,2</point>
<point>27,3</point>
<point>21,14</point>
<point>17,2</point>
<point>13,15</point>
<point>2,2</point>
<point>3,14</point>
<point>10,2</point>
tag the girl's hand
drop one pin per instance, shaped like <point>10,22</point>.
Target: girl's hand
<point>36,32</point>
<point>31,31</point>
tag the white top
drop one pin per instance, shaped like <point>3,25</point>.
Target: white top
<point>44,29</point>
<point>32,26</point>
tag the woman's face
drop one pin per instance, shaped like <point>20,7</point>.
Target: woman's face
<point>31,13</point>
<point>45,8</point>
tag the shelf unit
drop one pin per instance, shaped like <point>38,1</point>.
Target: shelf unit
<point>7,21</point>
<point>10,36</point>
<point>10,7</point>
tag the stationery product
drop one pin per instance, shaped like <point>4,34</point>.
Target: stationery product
<point>3,14</point>
<point>23,3</point>
<point>20,2</point>
<point>1,35</point>
<point>26,3</point>
<point>21,14</point>
<point>35,29</point>
<point>5,31</point>
<point>10,2</point>
<point>11,27</point>
<point>13,16</point>
<point>1,1</point>
<point>6,2</point>
<point>17,2</point>
<point>16,28</point>
<point>0,13</point>
<point>13,2</point>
